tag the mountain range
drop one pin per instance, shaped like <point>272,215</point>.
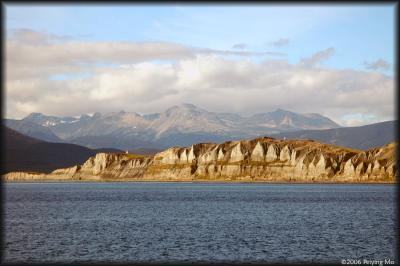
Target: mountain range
<point>180,125</point>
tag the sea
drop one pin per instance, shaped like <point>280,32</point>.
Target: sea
<point>156,222</point>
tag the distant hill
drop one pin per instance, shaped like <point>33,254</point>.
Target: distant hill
<point>121,142</point>
<point>362,137</point>
<point>23,153</point>
<point>144,151</point>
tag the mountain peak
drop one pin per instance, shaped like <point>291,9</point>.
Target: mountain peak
<point>185,107</point>
<point>34,115</point>
<point>188,105</point>
<point>281,111</point>
<point>96,115</point>
<point>84,116</point>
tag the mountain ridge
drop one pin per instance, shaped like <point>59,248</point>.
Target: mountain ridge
<point>185,121</point>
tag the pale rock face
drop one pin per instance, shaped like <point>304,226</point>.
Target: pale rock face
<point>221,154</point>
<point>349,168</point>
<point>209,156</point>
<point>97,164</point>
<point>321,163</point>
<point>391,169</point>
<point>293,157</point>
<point>320,167</point>
<point>317,167</point>
<point>376,168</point>
<point>191,155</point>
<point>237,154</point>
<point>369,169</point>
<point>311,170</point>
<point>202,170</point>
<point>360,169</point>
<point>232,170</point>
<point>16,176</point>
<point>382,171</point>
<point>300,167</point>
<point>184,156</point>
<point>271,154</point>
<point>66,171</point>
<point>285,154</point>
<point>169,156</point>
<point>258,153</point>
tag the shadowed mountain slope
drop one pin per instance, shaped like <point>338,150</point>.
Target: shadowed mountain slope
<point>363,137</point>
<point>23,153</point>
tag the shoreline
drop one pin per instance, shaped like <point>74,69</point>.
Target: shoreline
<point>200,181</point>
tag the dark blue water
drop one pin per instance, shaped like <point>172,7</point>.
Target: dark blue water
<point>197,222</point>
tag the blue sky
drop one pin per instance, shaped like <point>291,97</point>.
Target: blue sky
<point>358,33</point>
<point>353,43</point>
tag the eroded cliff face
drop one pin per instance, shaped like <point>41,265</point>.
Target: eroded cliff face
<point>261,159</point>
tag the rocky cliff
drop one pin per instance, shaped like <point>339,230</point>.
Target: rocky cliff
<point>261,159</point>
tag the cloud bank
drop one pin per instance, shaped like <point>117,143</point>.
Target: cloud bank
<point>150,77</point>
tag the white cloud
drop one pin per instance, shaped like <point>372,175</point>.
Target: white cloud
<point>52,54</point>
<point>36,37</point>
<point>135,82</point>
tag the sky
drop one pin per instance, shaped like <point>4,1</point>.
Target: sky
<point>335,60</point>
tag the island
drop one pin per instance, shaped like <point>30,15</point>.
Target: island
<point>261,159</point>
